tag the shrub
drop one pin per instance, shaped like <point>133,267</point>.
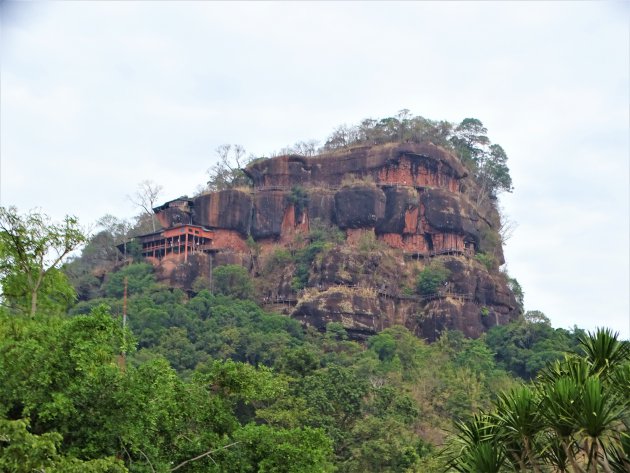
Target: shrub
<point>299,199</point>
<point>140,279</point>
<point>321,231</point>
<point>277,261</point>
<point>431,278</point>
<point>486,260</point>
<point>233,280</point>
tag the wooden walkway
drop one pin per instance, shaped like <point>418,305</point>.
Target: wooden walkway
<point>293,300</point>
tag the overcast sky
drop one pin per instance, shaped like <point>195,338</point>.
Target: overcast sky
<point>98,96</point>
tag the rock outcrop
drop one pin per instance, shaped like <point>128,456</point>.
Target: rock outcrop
<point>397,206</point>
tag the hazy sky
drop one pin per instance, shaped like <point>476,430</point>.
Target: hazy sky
<point>98,96</point>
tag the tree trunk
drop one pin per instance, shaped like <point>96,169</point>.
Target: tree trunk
<point>34,291</point>
<point>33,302</point>
<point>574,465</point>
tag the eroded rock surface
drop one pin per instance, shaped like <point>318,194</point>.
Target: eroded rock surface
<point>400,206</point>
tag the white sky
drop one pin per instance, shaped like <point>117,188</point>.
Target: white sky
<point>98,96</point>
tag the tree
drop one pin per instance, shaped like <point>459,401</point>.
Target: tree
<point>432,278</point>
<point>233,280</point>
<point>228,173</point>
<point>145,197</point>
<point>32,248</point>
<point>487,161</point>
<point>576,414</point>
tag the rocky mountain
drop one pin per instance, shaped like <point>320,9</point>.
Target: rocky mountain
<point>370,236</point>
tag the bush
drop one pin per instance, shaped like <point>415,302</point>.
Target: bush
<point>486,260</point>
<point>277,261</point>
<point>304,259</point>
<point>140,279</point>
<point>299,199</point>
<point>320,231</point>
<point>432,278</point>
<point>233,280</point>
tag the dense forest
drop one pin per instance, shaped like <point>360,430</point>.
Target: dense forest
<point>103,369</point>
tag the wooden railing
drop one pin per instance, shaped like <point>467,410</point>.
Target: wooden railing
<point>469,252</point>
<point>278,299</point>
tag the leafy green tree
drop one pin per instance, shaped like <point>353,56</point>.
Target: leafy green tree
<point>264,448</point>
<point>432,278</point>
<point>140,278</point>
<point>233,280</point>
<point>488,161</point>
<point>470,140</point>
<point>24,452</point>
<point>527,345</point>
<point>32,248</point>
<point>335,398</point>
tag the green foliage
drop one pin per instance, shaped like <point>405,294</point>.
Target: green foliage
<point>485,259</point>
<point>140,278</point>
<point>401,128</point>
<point>468,139</point>
<point>233,280</point>
<point>517,290</point>
<point>62,375</point>
<point>572,415</point>
<point>368,243</point>
<point>525,346</point>
<point>267,449</point>
<point>487,161</point>
<point>32,248</point>
<point>279,259</point>
<point>227,172</point>
<point>432,278</point>
<point>320,231</point>
<point>298,198</point>
<point>304,259</point>
<point>24,452</point>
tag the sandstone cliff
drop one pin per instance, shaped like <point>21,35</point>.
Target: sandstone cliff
<point>396,208</point>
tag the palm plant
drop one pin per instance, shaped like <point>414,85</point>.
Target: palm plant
<point>558,412</point>
<point>474,448</point>
<point>599,417</point>
<point>575,417</point>
<point>518,416</point>
<point>604,351</point>
<point>619,455</point>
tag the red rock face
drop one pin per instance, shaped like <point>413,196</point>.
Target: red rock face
<point>293,223</point>
<point>414,198</point>
<point>354,235</point>
<point>428,160</point>
<point>229,240</point>
<point>418,173</point>
<point>411,221</point>
<point>228,209</point>
<point>409,244</point>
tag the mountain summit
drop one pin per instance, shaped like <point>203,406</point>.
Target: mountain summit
<point>369,236</point>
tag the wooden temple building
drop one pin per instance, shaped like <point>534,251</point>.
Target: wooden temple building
<point>179,242</point>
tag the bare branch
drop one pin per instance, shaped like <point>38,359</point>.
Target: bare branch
<point>146,197</point>
<point>147,458</point>
<point>209,452</point>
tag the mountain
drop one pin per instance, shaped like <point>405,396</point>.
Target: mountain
<point>368,236</point>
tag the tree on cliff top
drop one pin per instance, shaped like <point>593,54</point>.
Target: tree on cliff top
<point>32,249</point>
<point>228,173</point>
<point>487,161</point>
<point>468,139</point>
<point>146,197</point>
